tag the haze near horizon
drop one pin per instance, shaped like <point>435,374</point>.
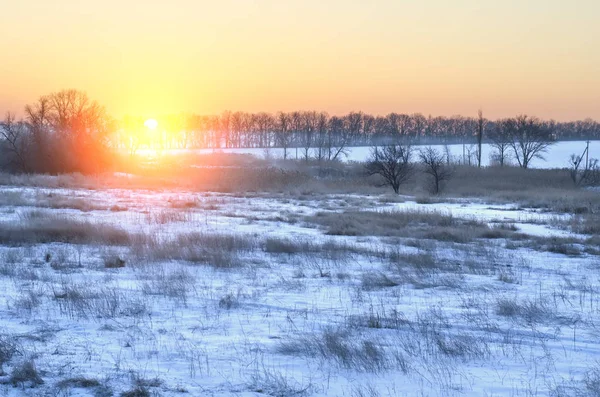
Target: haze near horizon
<point>435,57</point>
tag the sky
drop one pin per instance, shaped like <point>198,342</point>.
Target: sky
<point>439,57</point>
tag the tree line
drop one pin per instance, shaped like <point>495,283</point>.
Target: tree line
<point>66,131</point>
<point>313,129</point>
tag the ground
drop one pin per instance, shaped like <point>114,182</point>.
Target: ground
<point>174,292</point>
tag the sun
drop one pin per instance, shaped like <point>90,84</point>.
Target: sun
<point>151,124</point>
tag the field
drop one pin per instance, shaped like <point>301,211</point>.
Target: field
<point>299,286</point>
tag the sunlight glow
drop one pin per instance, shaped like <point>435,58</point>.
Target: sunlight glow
<point>151,124</point>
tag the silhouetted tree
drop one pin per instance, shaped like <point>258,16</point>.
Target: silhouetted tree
<point>70,133</point>
<point>480,128</point>
<point>283,135</point>
<point>309,125</point>
<point>500,140</point>
<point>14,144</point>
<point>338,139</point>
<point>435,166</point>
<point>583,170</point>
<point>529,138</point>
<point>392,163</point>
<point>321,135</point>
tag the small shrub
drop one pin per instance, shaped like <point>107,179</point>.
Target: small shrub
<point>113,262</point>
<point>229,302</point>
<point>428,200</point>
<point>78,382</point>
<point>564,249</point>
<point>8,348</point>
<point>341,347</point>
<point>507,308</point>
<point>507,276</point>
<point>365,391</point>
<point>143,382</point>
<point>26,373</point>
<point>13,256</point>
<point>172,283</point>
<point>371,281</point>
<point>272,383</point>
<point>377,320</point>
<point>530,312</point>
<point>183,204</point>
<point>283,246</point>
<point>163,217</point>
<point>591,381</point>
<point>138,391</point>
<point>28,300</point>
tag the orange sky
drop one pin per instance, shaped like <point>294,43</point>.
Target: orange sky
<point>437,57</point>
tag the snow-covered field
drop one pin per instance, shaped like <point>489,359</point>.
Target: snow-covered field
<point>184,293</point>
<point>557,155</point>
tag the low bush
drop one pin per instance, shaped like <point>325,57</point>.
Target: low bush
<point>80,382</point>
<point>26,373</point>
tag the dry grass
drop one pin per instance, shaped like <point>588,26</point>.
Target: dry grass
<point>329,248</point>
<point>163,217</point>
<point>414,224</point>
<point>217,250</point>
<point>273,383</point>
<point>570,246</point>
<point>530,312</point>
<point>588,223</point>
<point>50,229</point>
<point>388,223</point>
<point>344,348</point>
<point>372,281</point>
<point>78,382</point>
<point>538,188</point>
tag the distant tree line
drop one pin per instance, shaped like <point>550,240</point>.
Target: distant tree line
<point>322,132</point>
<point>68,132</point>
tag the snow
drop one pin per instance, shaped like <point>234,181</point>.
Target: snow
<point>557,156</point>
<point>192,341</point>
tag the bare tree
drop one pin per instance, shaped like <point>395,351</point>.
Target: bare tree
<point>500,140</point>
<point>435,166</point>
<point>222,132</point>
<point>264,126</point>
<point>587,174</point>
<point>309,126</point>
<point>392,163</point>
<point>480,127</point>
<point>297,121</point>
<point>283,135</point>
<point>530,138</point>
<point>70,133</point>
<point>241,129</point>
<point>338,139</point>
<point>354,122</point>
<point>321,138</point>
<point>447,154</point>
<point>368,128</point>
<point>15,143</point>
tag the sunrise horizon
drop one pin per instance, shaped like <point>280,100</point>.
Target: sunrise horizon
<point>433,58</point>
